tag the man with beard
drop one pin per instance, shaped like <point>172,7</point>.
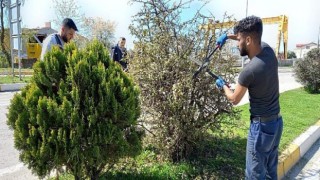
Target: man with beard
<point>260,78</point>
<point>67,32</point>
<point>119,53</point>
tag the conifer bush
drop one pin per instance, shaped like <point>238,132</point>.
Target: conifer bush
<point>79,112</point>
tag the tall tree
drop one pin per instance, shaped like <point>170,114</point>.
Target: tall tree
<point>90,27</point>
<point>98,28</point>
<point>67,8</point>
<point>178,109</point>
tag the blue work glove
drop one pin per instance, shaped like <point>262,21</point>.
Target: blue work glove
<point>221,40</point>
<point>220,83</point>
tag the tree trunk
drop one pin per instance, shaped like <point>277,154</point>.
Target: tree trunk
<point>95,173</point>
<point>76,177</point>
<point>5,52</point>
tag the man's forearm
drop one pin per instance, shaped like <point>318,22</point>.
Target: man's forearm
<point>235,96</point>
<point>228,93</point>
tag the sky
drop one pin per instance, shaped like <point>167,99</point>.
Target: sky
<point>304,16</point>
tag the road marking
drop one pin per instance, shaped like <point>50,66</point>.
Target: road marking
<point>11,169</point>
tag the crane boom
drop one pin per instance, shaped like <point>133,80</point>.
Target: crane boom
<point>281,20</point>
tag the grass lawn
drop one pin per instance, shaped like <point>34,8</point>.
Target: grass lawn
<point>16,70</point>
<point>7,79</point>
<point>224,157</point>
<point>8,71</point>
<point>299,110</point>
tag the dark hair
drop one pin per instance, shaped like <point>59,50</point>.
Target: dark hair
<point>250,25</point>
<point>67,22</point>
<point>122,38</point>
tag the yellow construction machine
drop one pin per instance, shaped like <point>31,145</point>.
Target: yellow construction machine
<point>281,20</point>
<point>34,46</point>
<point>34,50</point>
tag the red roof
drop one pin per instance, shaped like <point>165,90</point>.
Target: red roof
<point>303,45</point>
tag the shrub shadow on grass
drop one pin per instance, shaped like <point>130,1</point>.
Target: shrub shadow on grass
<point>213,158</point>
<point>220,158</point>
<point>130,176</point>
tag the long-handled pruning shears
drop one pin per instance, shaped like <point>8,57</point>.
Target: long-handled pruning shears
<point>205,64</point>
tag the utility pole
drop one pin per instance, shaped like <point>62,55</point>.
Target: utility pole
<point>247,9</point>
<point>243,58</point>
<point>318,37</point>
<point>15,32</point>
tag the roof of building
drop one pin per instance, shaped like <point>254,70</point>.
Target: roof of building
<point>46,31</point>
<point>303,45</point>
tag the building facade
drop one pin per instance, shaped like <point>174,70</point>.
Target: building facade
<point>302,49</point>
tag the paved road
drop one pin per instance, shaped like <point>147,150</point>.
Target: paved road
<point>308,167</point>
<point>10,166</point>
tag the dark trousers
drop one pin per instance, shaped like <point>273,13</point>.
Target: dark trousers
<point>262,149</point>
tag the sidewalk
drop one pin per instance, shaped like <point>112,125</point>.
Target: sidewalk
<point>308,166</point>
<point>285,69</point>
<point>12,87</point>
<point>297,149</point>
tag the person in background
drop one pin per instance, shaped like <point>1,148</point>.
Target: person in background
<point>119,53</point>
<point>67,32</point>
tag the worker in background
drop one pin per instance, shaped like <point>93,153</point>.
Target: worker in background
<point>119,53</point>
<point>67,32</point>
<point>260,78</point>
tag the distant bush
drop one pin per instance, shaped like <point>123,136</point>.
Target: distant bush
<point>291,55</point>
<point>307,71</point>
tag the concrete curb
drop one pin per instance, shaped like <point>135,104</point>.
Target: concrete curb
<point>297,149</point>
<point>12,87</point>
<point>16,73</point>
